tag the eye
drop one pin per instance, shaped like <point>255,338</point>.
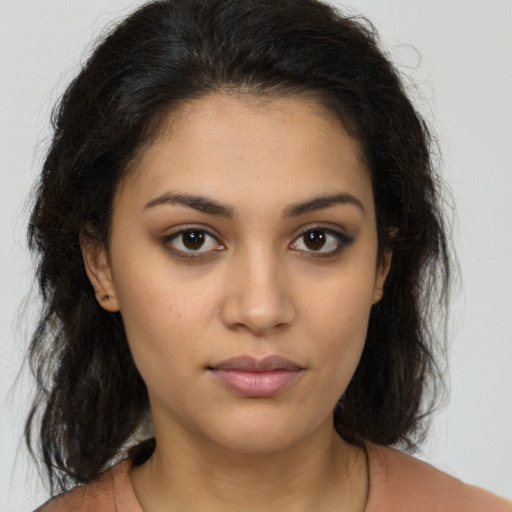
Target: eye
<point>192,240</point>
<point>320,240</point>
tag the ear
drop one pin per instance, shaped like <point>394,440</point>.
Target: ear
<point>97,267</point>
<point>383,267</point>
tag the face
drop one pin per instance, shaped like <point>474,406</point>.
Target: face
<point>243,260</point>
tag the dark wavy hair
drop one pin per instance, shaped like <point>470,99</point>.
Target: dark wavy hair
<point>91,399</point>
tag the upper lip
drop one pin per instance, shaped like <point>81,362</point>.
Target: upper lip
<point>248,363</point>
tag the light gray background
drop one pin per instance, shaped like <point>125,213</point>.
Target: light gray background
<point>464,82</point>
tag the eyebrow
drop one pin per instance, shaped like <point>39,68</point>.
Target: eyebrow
<point>212,207</point>
<point>321,202</point>
<point>203,204</point>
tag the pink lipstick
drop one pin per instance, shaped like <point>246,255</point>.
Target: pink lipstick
<point>255,378</point>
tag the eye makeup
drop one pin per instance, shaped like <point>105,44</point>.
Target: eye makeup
<point>196,243</point>
<point>319,241</point>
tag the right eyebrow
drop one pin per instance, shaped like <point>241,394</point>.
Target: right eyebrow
<point>200,203</point>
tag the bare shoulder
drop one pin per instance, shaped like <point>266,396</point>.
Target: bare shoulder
<point>399,482</point>
<point>96,496</point>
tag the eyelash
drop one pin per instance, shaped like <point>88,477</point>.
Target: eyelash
<point>342,241</point>
<point>186,255</point>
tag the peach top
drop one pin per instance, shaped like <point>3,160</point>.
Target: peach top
<point>398,483</point>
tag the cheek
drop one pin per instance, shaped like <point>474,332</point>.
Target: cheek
<point>341,302</point>
<point>164,321</point>
<point>338,322</point>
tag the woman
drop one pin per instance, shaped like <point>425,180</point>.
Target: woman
<point>241,244</point>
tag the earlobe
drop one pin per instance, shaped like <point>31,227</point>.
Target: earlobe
<point>382,273</point>
<point>98,271</point>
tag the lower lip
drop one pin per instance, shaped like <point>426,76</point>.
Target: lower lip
<point>256,384</point>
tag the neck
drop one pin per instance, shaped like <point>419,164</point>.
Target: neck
<point>321,472</point>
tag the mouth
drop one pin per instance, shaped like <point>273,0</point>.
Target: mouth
<point>256,378</point>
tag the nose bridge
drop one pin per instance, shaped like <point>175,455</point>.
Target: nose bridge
<point>258,296</point>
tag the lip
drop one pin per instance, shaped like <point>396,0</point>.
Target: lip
<point>256,378</point>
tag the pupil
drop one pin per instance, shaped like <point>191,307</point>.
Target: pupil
<point>314,240</point>
<point>193,240</point>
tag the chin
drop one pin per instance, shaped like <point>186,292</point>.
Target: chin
<point>263,433</point>
<point>260,443</point>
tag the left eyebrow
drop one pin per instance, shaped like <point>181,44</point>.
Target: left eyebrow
<point>321,202</point>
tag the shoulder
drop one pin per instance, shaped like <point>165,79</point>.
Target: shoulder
<point>96,496</point>
<point>399,482</point>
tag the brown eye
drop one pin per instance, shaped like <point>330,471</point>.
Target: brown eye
<point>314,240</point>
<point>323,242</point>
<point>193,240</point>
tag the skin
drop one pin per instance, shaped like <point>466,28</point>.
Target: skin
<point>253,288</point>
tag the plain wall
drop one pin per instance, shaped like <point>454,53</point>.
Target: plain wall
<point>463,86</point>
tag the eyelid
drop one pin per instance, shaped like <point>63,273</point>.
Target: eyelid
<point>338,232</point>
<point>176,230</point>
<point>344,240</point>
<point>191,254</point>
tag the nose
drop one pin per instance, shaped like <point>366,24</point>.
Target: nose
<point>258,296</point>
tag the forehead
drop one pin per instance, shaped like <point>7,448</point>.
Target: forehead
<point>232,147</point>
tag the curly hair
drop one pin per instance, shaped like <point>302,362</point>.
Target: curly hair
<point>90,397</point>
